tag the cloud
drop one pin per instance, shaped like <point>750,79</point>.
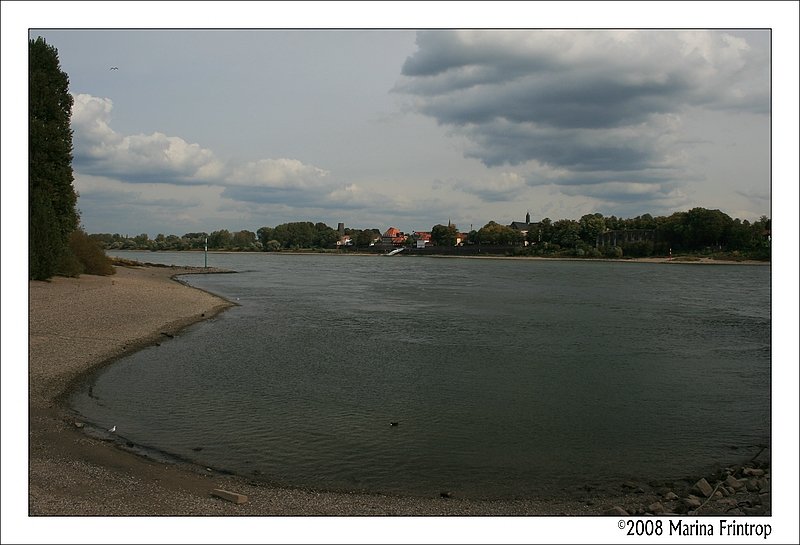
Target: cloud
<point>139,158</point>
<point>600,107</point>
<point>159,158</point>
<point>278,174</point>
<point>504,186</point>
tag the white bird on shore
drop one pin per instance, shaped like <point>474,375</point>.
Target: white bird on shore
<point>113,429</point>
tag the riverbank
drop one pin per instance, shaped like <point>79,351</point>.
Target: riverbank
<point>78,325</point>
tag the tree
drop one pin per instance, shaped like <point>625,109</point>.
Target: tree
<point>244,239</point>
<point>496,234</point>
<point>591,225</point>
<point>324,236</point>
<point>707,227</point>
<point>566,233</point>
<point>265,235</point>
<point>366,237</point>
<point>51,195</point>
<point>220,239</point>
<point>444,235</point>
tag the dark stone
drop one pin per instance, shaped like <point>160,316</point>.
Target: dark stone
<point>618,511</point>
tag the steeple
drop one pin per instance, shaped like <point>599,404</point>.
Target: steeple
<point>528,217</point>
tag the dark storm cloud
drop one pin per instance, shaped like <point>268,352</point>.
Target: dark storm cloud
<point>581,101</point>
<point>570,101</point>
<point>500,142</point>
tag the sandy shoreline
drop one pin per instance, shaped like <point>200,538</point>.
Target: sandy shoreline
<point>77,325</point>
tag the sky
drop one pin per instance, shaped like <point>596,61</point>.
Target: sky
<point>200,130</point>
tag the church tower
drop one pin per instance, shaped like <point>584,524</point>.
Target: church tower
<point>528,217</point>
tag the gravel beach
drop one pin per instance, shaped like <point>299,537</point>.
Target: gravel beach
<point>80,324</point>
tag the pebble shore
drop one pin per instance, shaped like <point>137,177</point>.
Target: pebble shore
<point>80,324</point>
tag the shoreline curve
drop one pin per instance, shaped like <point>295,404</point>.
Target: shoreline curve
<point>73,473</point>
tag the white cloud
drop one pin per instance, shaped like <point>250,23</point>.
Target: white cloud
<point>164,159</point>
<point>278,174</point>
<point>138,158</point>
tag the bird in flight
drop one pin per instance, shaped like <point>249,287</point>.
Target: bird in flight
<point>113,68</point>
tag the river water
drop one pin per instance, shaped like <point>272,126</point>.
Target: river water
<point>505,378</point>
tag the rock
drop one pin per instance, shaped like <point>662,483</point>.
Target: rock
<point>692,502</point>
<point>629,484</point>
<point>445,494</point>
<point>763,485</point>
<point>753,510</point>
<point>617,511</point>
<point>230,496</point>
<point>752,472</point>
<point>752,485</point>
<point>704,488</point>
<point>718,495</point>
<point>79,425</point>
<point>670,496</point>
<point>656,508</point>
<point>733,482</point>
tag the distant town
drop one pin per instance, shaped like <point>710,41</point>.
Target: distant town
<point>696,231</point>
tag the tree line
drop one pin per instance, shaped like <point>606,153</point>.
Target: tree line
<point>698,230</point>
<point>286,236</point>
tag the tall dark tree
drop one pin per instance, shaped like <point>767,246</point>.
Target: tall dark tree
<point>52,215</point>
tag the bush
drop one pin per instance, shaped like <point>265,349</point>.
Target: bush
<point>89,255</point>
<point>68,265</point>
<point>614,252</point>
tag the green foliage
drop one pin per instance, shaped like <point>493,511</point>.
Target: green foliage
<point>366,237</point>
<point>444,235</point>
<point>591,225</point>
<point>298,235</point>
<point>52,215</point>
<point>566,233</point>
<point>89,254</point>
<point>494,234</point>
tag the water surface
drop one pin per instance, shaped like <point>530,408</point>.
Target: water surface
<point>507,378</point>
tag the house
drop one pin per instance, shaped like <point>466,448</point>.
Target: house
<point>423,238</point>
<point>394,236</point>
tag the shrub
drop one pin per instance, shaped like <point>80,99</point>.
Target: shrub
<point>68,265</point>
<point>89,254</point>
